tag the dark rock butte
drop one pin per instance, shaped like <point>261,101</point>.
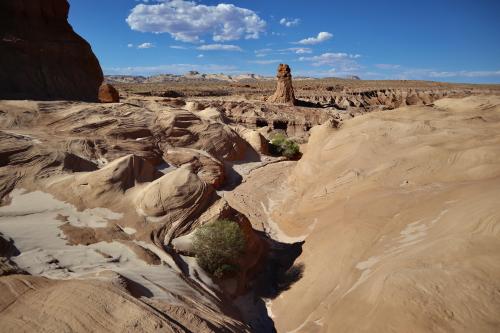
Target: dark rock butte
<point>43,58</point>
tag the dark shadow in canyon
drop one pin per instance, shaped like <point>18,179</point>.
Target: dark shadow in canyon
<point>307,104</point>
<point>278,274</point>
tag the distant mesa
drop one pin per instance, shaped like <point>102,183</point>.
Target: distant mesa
<point>41,57</point>
<point>108,94</point>
<point>190,76</point>
<point>284,89</point>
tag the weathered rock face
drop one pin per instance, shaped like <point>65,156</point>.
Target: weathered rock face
<point>108,94</point>
<point>295,120</point>
<point>109,293</point>
<point>175,196</point>
<point>41,57</point>
<point>284,90</point>
<point>180,128</point>
<point>367,99</point>
<point>208,168</point>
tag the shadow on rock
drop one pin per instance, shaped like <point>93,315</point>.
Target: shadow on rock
<point>279,273</point>
<point>307,104</point>
<point>7,247</point>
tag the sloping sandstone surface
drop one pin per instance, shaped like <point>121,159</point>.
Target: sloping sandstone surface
<point>400,216</point>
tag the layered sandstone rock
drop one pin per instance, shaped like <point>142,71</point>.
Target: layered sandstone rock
<point>180,128</point>
<point>41,57</point>
<point>295,120</point>
<point>174,196</point>
<point>258,142</point>
<point>34,304</point>
<point>284,90</point>
<point>401,211</point>
<point>208,168</point>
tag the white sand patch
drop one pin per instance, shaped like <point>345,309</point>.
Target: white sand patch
<point>160,253</point>
<point>364,276</point>
<point>101,161</point>
<point>269,304</point>
<point>439,216</point>
<point>31,221</point>
<point>128,230</point>
<point>36,202</point>
<point>273,229</point>
<point>183,243</point>
<point>362,265</point>
<point>412,232</point>
<point>366,268</point>
<point>317,322</point>
<point>196,273</point>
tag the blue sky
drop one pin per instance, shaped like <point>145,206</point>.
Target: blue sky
<point>439,40</point>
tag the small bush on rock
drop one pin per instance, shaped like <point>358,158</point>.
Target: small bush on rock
<point>217,245</point>
<point>281,145</point>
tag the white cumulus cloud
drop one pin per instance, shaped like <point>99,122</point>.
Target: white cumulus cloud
<point>289,22</point>
<point>473,74</point>
<point>172,69</point>
<point>300,50</point>
<point>266,62</point>
<point>188,21</point>
<point>263,52</point>
<point>145,46</point>
<point>331,59</point>
<point>341,62</point>
<point>322,36</point>
<point>387,66</point>
<point>219,47</point>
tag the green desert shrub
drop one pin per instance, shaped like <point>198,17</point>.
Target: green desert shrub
<point>281,145</point>
<point>217,245</point>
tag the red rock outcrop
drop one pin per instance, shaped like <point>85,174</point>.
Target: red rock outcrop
<point>41,57</point>
<point>284,90</point>
<point>108,94</point>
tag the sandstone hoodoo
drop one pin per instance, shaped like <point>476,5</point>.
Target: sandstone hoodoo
<point>108,94</point>
<point>284,89</point>
<point>43,58</point>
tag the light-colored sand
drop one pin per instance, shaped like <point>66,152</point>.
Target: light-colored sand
<point>408,223</point>
<point>31,220</point>
<point>106,282</point>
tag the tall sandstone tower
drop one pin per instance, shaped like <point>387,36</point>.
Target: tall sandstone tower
<point>284,89</point>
